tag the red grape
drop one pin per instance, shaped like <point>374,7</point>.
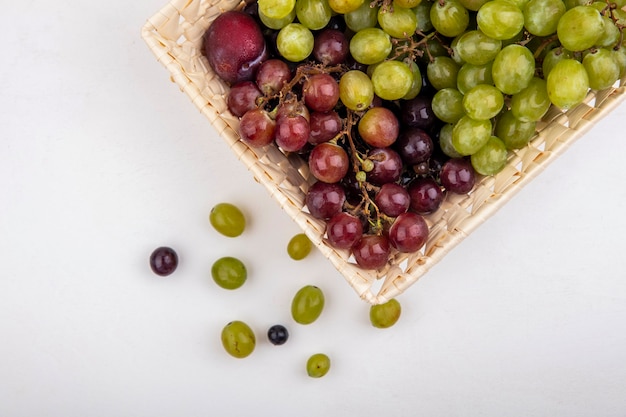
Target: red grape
<point>324,126</point>
<point>257,128</point>
<point>379,127</point>
<point>272,75</point>
<point>344,230</point>
<point>426,195</point>
<point>331,47</point>
<point>372,251</point>
<point>414,145</point>
<point>387,166</point>
<point>292,133</point>
<point>242,97</point>
<point>320,92</point>
<point>457,176</point>
<point>328,162</point>
<point>392,199</point>
<point>409,232</point>
<point>324,200</point>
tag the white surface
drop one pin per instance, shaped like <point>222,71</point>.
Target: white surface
<point>103,159</point>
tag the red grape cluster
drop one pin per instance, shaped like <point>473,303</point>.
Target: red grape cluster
<point>378,170</point>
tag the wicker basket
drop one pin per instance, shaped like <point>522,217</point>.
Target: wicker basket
<point>174,35</point>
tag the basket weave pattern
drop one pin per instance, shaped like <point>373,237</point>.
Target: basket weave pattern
<point>174,35</point>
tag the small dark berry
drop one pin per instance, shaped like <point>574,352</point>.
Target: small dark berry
<point>277,334</point>
<point>163,261</point>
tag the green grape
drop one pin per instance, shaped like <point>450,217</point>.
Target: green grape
<point>619,16</point>
<point>229,273</point>
<point>422,14</point>
<point>392,80</point>
<point>362,18</point>
<point>620,57</point>
<point>227,219</point>
<point>500,19</point>
<point>610,34</point>
<point>447,104</point>
<point>356,91</point>
<point>385,315</point>
<point>317,365</point>
<point>474,47</point>
<point>473,5</point>
<point>470,76</point>
<point>513,68</point>
<point>276,9</point>
<point>344,6</point>
<point>514,133</point>
<point>580,28</point>
<point>307,304</point>
<point>567,83</point>
<point>542,16</point>
<point>299,247</point>
<point>453,50</point>
<point>602,68</point>
<point>483,102</point>
<point>491,158</point>
<point>442,72</point>
<point>277,24</point>
<point>313,14</point>
<point>445,141</point>
<point>469,135</point>
<point>398,22</point>
<point>552,57</point>
<point>449,17</point>
<point>532,103</point>
<point>370,46</point>
<point>295,42</point>
<point>416,85</point>
<point>238,339</point>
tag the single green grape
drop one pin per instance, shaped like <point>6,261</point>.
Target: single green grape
<point>416,85</point>
<point>362,18</point>
<point>491,158</point>
<point>227,219</point>
<point>552,57</point>
<point>314,14</point>
<point>580,28</point>
<point>392,80</point>
<point>469,76</point>
<point>238,339</point>
<point>514,133</point>
<point>345,6</point>
<point>620,57</point>
<point>276,9</point>
<point>356,91</point>
<point>318,365</point>
<point>229,273</point>
<point>445,141</point>
<point>483,102</point>
<point>474,47</point>
<point>449,17</point>
<point>567,83</point>
<point>299,247</point>
<point>398,22</point>
<point>442,72</point>
<point>532,103</point>
<point>542,16</point>
<point>469,135</point>
<point>385,315</point>
<point>307,304</point>
<point>370,46</point>
<point>513,69</point>
<point>422,14</point>
<point>602,68</point>
<point>447,104</point>
<point>295,42</point>
<point>277,24</point>
<point>610,34</point>
<point>500,19</point>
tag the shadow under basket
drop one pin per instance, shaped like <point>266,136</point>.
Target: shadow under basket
<point>175,35</point>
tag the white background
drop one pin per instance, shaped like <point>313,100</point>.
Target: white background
<point>102,159</point>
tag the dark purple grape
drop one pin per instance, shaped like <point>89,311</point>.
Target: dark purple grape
<point>320,92</point>
<point>257,128</point>
<point>372,251</point>
<point>324,200</point>
<point>392,199</point>
<point>418,112</point>
<point>292,133</point>
<point>387,166</point>
<point>324,126</point>
<point>409,232</point>
<point>328,162</point>
<point>163,261</point>
<point>242,97</point>
<point>292,108</point>
<point>414,145</point>
<point>272,75</point>
<point>457,176</point>
<point>330,47</point>
<point>426,195</point>
<point>343,230</point>
<point>277,334</point>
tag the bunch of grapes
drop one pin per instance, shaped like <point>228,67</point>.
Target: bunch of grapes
<point>394,104</point>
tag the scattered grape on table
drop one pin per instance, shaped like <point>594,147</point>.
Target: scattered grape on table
<point>394,104</point>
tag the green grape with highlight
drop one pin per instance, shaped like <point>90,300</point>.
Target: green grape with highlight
<point>474,47</point>
<point>445,141</point>
<point>491,158</point>
<point>314,14</point>
<point>447,104</point>
<point>370,46</point>
<point>295,42</point>
<point>469,76</point>
<point>229,272</point>
<point>567,83</point>
<point>483,102</point>
<point>514,133</point>
<point>318,365</point>
<point>469,135</point>
<point>385,315</point>
<point>238,339</point>
<point>227,219</point>
<point>532,103</point>
<point>307,304</point>
<point>449,17</point>
<point>442,72</point>
<point>392,80</point>
<point>602,68</point>
<point>513,69</point>
<point>362,18</point>
<point>277,24</point>
<point>356,91</point>
<point>398,22</point>
<point>299,247</point>
<point>580,28</point>
<point>276,9</point>
<point>500,19</point>
<point>542,16</point>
